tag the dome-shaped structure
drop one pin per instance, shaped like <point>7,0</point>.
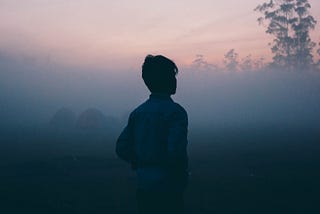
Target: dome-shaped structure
<point>91,119</point>
<point>63,118</point>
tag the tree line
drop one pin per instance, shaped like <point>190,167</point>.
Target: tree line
<point>289,22</point>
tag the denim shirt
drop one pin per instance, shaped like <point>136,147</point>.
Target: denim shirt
<point>155,142</point>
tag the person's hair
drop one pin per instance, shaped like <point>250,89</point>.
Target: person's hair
<point>158,73</point>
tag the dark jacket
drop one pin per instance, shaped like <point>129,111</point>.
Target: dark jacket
<point>155,138</point>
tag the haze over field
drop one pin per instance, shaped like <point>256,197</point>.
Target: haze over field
<point>32,94</point>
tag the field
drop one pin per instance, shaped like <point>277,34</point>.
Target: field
<point>234,169</point>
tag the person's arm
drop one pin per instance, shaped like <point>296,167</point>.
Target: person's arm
<point>177,141</point>
<point>125,144</point>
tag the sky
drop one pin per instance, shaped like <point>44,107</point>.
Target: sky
<point>118,34</point>
<point>81,54</point>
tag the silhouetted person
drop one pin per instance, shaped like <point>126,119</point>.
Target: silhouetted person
<point>154,141</point>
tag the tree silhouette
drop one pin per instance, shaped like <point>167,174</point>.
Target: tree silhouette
<point>259,64</point>
<point>231,60</point>
<point>247,64</point>
<point>290,22</point>
<point>200,63</point>
<point>303,43</point>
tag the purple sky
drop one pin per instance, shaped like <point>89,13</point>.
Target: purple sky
<point>120,33</point>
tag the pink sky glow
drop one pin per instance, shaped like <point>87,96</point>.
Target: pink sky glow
<point>120,33</point>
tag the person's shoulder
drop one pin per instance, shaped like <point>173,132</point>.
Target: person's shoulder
<point>180,109</point>
<point>139,108</point>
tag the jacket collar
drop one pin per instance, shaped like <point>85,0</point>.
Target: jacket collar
<point>160,96</point>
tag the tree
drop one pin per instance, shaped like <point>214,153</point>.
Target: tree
<point>259,64</point>
<point>200,63</point>
<point>303,43</point>
<point>290,22</point>
<point>231,60</point>
<point>247,64</point>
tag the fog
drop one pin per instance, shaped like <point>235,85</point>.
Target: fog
<point>253,138</point>
<point>32,92</point>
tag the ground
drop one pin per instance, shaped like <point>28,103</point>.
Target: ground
<point>263,169</point>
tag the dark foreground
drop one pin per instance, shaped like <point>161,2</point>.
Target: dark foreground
<point>268,169</point>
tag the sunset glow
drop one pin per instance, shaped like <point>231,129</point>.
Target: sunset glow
<point>120,33</point>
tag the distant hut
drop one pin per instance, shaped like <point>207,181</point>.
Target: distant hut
<point>63,118</point>
<point>92,119</point>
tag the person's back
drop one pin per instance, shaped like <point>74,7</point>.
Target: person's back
<point>155,141</point>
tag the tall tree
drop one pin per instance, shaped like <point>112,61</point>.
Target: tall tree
<point>290,22</point>
<point>302,41</point>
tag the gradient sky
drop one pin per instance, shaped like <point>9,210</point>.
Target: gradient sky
<point>120,33</point>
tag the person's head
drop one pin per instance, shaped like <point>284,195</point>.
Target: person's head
<point>159,74</point>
